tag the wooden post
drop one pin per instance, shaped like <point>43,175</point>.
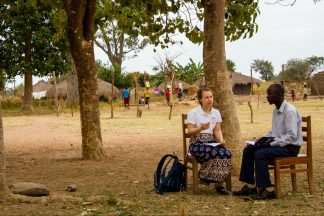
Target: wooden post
<point>250,106</point>
<point>170,68</point>
<point>136,92</point>
<point>251,81</point>
<point>136,77</point>
<point>283,74</point>
<point>112,93</point>
<point>56,97</point>
<point>250,99</point>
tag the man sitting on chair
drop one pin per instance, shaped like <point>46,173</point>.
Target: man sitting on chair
<point>286,142</point>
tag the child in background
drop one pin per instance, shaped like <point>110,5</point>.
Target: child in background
<point>293,95</point>
<point>141,101</point>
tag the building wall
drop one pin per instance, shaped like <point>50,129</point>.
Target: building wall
<point>317,81</point>
<point>241,89</point>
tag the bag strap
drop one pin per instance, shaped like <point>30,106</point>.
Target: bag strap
<point>159,172</point>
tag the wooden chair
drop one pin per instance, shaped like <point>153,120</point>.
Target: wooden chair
<point>191,163</point>
<point>287,165</point>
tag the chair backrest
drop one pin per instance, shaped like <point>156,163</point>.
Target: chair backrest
<point>185,135</point>
<point>307,135</point>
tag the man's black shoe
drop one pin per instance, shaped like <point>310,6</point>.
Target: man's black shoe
<point>264,195</point>
<point>245,191</point>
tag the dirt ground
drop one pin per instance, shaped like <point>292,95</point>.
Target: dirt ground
<point>47,150</point>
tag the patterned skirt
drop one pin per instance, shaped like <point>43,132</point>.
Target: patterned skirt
<point>215,160</point>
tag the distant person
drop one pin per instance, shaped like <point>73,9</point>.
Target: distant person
<point>156,90</point>
<point>168,95</point>
<point>286,139</point>
<point>147,96</point>
<point>126,97</point>
<point>305,92</point>
<point>293,95</point>
<point>180,94</point>
<point>141,101</point>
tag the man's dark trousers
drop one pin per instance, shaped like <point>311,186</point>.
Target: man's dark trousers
<point>259,157</point>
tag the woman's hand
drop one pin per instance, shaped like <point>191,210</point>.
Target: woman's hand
<point>205,126</point>
<point>222,141</point>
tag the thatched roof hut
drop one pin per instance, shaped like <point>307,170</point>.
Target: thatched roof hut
<point>42,86</point>
<point>104,90</point>
<point>61,90</point>
<point>241,83</point>
<point>317,84</point>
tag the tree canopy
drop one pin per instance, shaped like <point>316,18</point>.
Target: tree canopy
<point>231,66</point>
<point>105,73</point>
<point>300,70</point>
<point>112,39</point>
<point>189,73</point>
<point>30,22</point>
<point>263,67</point>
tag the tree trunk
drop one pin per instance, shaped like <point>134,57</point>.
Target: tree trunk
<point>80,33</point>
<point>55,95</point>
<point>72,86</point>
<point>217,76</point>
<point>28,87</point>
<point>4,191</point>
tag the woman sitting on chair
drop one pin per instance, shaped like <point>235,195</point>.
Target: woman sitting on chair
<point>207,142</point>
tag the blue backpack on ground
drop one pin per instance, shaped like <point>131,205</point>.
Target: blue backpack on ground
<point>174,179</point>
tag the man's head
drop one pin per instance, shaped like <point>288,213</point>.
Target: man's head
<point>275,94</point>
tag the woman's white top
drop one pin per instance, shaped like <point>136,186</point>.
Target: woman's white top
<point>198,116</point>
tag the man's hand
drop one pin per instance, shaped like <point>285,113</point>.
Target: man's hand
<point>264,144</point>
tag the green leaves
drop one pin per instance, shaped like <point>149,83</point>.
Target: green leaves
<point>240,19</point>
<point>264,67</point>
<point>161,20</point>
<point>30,22</point>
<point>230,65</point>
<point>190,72</point>
<point>302,69</point>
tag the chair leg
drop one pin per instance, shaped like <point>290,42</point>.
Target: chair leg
<point>195,177</point>
<point>229,183</point>
<point>310,178</point>
<point>277,179</point>
<point>186,176</point>
<point>293,178</point>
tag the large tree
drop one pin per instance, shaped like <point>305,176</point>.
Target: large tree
<point>240,18</point>
<point>111,38</point>
<point>263,67</point>
<point>300,70</point>
<point>4,191</point>
<point>27,43</point>
<point>81,29</point>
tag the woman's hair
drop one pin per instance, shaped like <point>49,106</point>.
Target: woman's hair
<point>201,91</point>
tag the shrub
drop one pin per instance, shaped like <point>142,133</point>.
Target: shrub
<point>11,102</point>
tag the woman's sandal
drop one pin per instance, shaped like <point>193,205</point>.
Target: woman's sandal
<point>206,181</point>
<point>223,191</point>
